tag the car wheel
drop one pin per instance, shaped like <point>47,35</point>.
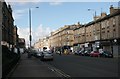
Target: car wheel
<point>42,59</point>
<point>98,55</point>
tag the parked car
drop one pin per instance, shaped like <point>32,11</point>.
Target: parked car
<point>94,54</point>
<point>87,53</point>
<point>57,52</point>
<point>76,52</point>
<point>46,55</point>
<point>81,52</point>
<point>106,54</point>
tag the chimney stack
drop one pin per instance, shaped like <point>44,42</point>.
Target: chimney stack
<point>103,14</point>
<point>114,9</point>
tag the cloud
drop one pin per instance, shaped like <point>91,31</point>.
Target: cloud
<point>37,33</point>
<point>24,33</point>
<point>17,14</point>
<point>22,0</point>
<point>62,0</point>
<point>41,32</point>
<point>55,3</point>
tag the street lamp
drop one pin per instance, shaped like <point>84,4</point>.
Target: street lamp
<point>95,25</point>
<point>93,10</point>
<point>95,22</point>
<point>30,36</point>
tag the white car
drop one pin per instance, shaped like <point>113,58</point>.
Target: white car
<point>46,55</point>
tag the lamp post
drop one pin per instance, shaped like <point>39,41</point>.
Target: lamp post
<point>95,12</point>
<point>95,19</point>
<point>95,25</point>
<point>30,36</point>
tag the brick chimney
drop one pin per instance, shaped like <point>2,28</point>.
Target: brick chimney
<point>113,9</point>
<point>96,17</point>
<point>103,14</point>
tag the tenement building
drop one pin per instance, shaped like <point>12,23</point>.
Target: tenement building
<point>103,33</point>
<point>62,39</point>
<point>9,31</point>
<point>15,36</point>
<point>21,43</point>
<point>0,21</point>
<point>44,42</point>
<point>79,38</point>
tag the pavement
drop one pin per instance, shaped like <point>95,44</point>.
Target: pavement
<point>31,67</point>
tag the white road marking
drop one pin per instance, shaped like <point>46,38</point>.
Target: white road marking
<point>57,71</point>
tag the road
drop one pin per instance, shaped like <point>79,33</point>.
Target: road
<point>83,66</point>
<point>66,66</point>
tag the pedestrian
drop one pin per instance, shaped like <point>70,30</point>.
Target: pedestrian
<point>29,53</point>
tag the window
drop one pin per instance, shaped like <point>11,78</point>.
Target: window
<point>68,43</point>
<point>94,31</point>
<point>113,25</point>
<point>87,35</point>
<point>103,31</point>
<point>103,28</point>
<point>60,39</point>
<point>114,30</point>
<point>107,24</point>
<point>114,34</point>
<point>83,30</point>
<point>103,24</point>
<point>59,34</point>
<point>98,30</point>
<point>83,35</point>
<point>67,37</point>
<point>67,32</point>
<point>114,21</point>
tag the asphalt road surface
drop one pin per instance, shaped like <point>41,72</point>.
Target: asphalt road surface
<point>83,66</point>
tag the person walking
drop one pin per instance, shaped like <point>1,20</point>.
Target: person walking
<point>29,53</point>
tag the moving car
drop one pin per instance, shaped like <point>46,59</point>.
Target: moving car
<point>46,55</point>
<point>37,54</point>
<point>94,54</point>
<point>106,54</point>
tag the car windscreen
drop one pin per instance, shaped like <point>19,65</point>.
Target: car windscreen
<point>107,52</point>
<point>46,52</point>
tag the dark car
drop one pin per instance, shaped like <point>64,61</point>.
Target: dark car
<point>76,52</point>
<point>81,52</point>
<point>106,54</point>
<point>94,54</point>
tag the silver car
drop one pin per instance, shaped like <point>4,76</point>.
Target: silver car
<point>46,55</point>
